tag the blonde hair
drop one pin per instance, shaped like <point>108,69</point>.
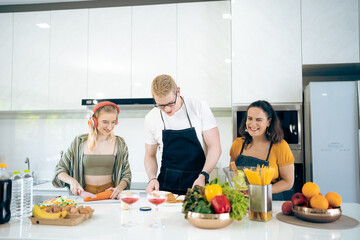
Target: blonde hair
<point>93,132</point>
<point>162,85</point>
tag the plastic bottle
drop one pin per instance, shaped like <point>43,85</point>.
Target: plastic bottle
<point>28,192</point>
<point>5,196</point>
<point>17,195</point>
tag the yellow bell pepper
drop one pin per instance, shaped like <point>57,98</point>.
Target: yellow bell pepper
<point>212,190</point>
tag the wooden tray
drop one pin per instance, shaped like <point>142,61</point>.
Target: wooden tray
<point>86,216</point>
<point>69,220</point>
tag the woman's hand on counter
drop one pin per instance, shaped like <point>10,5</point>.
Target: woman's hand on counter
<point>117,190</point>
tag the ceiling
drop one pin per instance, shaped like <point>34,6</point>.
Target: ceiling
<point>18,2</point>
<point>11,6</point>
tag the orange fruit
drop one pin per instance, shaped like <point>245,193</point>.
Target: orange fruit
<point>319,202</point>
<point>310,189</point>
<point>334,199</point>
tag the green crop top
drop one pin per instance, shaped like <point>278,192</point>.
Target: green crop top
<point>96,164</point>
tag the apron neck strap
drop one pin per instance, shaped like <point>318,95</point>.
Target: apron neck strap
<point>187,114</point>
<point>267,157</point>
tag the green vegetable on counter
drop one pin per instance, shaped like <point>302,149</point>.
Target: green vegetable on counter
<point>239,203</point>
<point>195,201</point>
<point>202,207</point>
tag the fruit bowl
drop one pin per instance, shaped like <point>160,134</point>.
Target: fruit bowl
<point>317,215</point>
<point>209,221</point>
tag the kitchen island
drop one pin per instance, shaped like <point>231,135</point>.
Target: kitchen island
<point>107,219</point>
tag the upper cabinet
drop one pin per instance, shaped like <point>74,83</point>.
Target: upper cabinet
<point>6,46</point>
<point>50,60</point>
<point>109,72</point>
<point>266,45</point>
<point>68,59</point>
<point>30,80</point>
<point>204,51</point>
<point>330,31</point>
<point>153,46</point>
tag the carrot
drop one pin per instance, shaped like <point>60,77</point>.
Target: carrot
<point>100,196</point>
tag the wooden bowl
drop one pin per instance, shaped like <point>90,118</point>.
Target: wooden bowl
<point>317,215</point>
<point>209,221</point>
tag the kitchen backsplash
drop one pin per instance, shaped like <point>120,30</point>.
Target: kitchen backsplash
<point>41,136</point>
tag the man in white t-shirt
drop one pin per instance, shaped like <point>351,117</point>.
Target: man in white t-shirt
<point>185,132</point>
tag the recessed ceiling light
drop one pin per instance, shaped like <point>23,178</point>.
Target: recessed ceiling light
<point>43,25</point>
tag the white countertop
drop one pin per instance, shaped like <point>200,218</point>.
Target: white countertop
<point>107,219</point>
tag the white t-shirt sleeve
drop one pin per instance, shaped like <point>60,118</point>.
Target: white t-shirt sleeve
<point>208,120</point>
<point>149,129</point>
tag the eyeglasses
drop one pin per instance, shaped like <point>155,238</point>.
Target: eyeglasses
<point>167,105</point>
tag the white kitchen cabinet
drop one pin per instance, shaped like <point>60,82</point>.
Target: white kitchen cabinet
<point>68,58</point>
<point>330,31</point>
<point>31,61</point>
<point>109,71</point>
<point>266,45</point>
<point>204,52</point>
<point>6,43</point>
<point>154,52</point>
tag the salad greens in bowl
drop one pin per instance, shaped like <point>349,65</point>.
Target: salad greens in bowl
<point>237,180</point>
<point>219,199</point>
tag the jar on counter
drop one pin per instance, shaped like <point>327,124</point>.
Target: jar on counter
<point>5,197</point>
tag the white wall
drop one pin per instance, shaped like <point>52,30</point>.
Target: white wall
<point>41,137</point>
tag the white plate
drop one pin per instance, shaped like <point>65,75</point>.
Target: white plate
<point>165,193</point>
<point>80,200</point>
<point>181,197</point>
<point>165,204</point>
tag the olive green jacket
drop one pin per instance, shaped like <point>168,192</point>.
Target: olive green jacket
<point>72,163</point>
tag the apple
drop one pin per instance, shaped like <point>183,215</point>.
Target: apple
<point>286,208</point>
<point>298,199</point>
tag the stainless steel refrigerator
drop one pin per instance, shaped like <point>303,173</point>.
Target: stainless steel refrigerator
<point>332,123</point>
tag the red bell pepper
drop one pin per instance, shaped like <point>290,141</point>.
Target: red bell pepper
<point>221,204</point>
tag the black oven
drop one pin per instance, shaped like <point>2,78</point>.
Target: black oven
<point>290,116</point>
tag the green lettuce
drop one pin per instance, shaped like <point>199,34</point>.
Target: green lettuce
<point>239,203</point>
<point>239,181</point>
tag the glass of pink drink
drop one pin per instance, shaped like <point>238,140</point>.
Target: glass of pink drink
<point>130,198</point>
<point>156,199</point>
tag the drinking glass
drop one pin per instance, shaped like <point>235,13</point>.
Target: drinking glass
<point>156,199</point>
<point>130,198</point>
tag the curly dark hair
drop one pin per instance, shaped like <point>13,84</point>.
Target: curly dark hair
<point>274,132</point>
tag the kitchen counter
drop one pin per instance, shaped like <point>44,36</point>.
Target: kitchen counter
<point>107,219</point>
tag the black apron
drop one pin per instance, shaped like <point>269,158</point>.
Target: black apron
<point>253,162</point>
<point>183,158</point>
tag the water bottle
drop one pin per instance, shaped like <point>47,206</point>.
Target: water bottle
<point>28,192</point>
<point>17,195</point>
<point>5,194</point>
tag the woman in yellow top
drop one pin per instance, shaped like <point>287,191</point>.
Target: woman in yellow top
<point>262,143</point>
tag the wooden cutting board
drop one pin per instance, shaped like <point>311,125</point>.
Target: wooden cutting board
<point>344,222</point>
